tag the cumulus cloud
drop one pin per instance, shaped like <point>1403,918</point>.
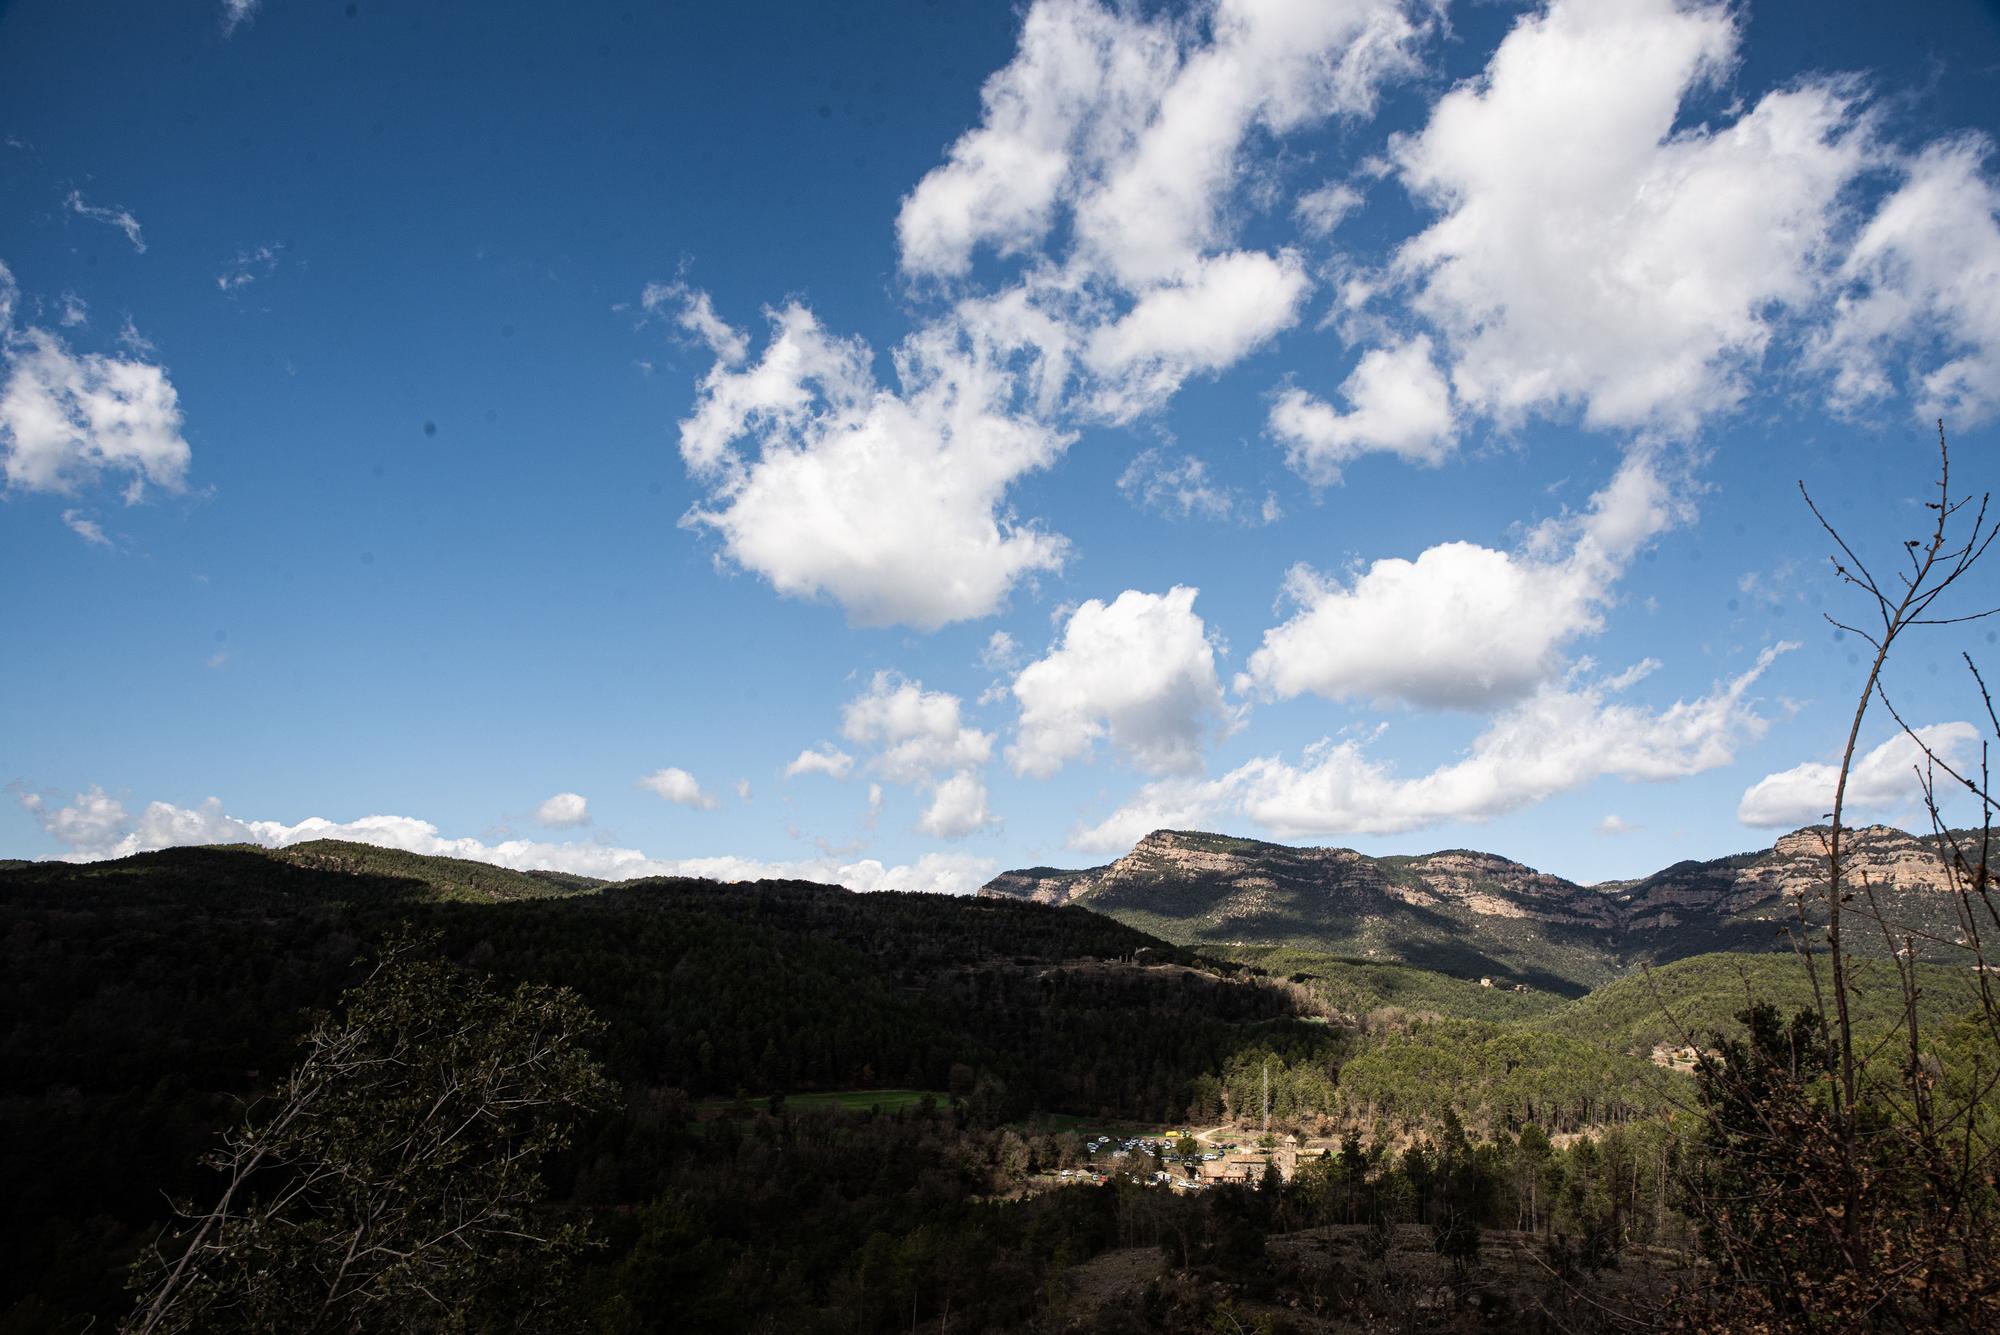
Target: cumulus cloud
<point>1563,736</point>
<point>921,740</point>
<point>1925,268</point>
<point>679,787</point>
<point>1463,626</point>
<point>122,219</point>
<point>1136,130</point>
<point>1136,126</point>
<point>1218,310</point>
<point>892,503</point>
<point>1160,198</point>
<point>1081,82</point>
<point>67,419</point>
<point>1882,780</point>
<point>1398,403</point>
<point>916,733</point>
<point>1138,672</point>
<point>957,807</point>
<point>563,811</point>
<point>827,759</point>
<point>1592,255</point>
<point>96,826</point>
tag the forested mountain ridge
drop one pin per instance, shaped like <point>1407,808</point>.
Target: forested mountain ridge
<point>1470,913</point>
<point>144,1000</point>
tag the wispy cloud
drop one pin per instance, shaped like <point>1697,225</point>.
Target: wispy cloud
<point>236,13</point>
<point>122,219</point>
<point>248,267</point>
<point>86,528</point>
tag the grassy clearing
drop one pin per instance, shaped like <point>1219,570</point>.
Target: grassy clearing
<point>863,1100</point>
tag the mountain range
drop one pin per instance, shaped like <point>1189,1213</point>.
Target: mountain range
<point>1471,914</point>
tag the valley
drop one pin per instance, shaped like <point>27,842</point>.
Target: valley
<point>975,1064</point>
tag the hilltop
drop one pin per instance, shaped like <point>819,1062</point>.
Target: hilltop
<point>1474,914</point>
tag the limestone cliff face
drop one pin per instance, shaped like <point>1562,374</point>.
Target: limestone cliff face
<point>1041,885</point>
<point>1257,873</point>
<point>1766,886</point>
<point>1467,911</point>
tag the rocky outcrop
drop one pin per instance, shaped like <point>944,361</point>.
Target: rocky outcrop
<point>1477,908</point>
<point>1477,883</point>
<point>1764,885</point>
<point>1040,885</point>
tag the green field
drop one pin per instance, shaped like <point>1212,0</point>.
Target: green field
<point>864,1100</point>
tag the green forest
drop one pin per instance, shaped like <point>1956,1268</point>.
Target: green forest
<point>790,1107</point>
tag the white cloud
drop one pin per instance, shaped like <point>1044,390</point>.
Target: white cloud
<point>1138,127</point>
<point>1399,403</point>
<point>96,826</point>
<point>1614,825</point>
<point>828,759</point>
<point>1927,265</point>
<point>920,740</point>
<point>1321,211</point>
<point>1560,738</point>
<point>247,268</point>
<point>122,219</point>
<point>85,527</point>
<point>678,786</point>
<point>237,12</point>
<point>1463,626</point>
<point>1214,314</point>
<point>1882,780</point>
<point>1137,132</point>
<point>1081,82</point>
<point>917,733</point>
<point>1159,201</point>
<point>1138,673</point>
<point>694,312</point>
<point>563,811</point>
<point>75,312</point>
<point>1589,254</point>
<point>890,503</point>
<point>94,821</point>
<point>1001,652</point>
<point>1180,488</point>
<point>743,790</point>
<point>67,419</point>
<point>957,808</point>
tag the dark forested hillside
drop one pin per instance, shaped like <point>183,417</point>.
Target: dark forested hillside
<point>145,1002</point>
<point>144,998</point>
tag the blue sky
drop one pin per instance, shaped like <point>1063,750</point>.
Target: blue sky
<point>895,443</point>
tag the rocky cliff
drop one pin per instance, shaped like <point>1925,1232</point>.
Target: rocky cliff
<point>1472,912</point>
